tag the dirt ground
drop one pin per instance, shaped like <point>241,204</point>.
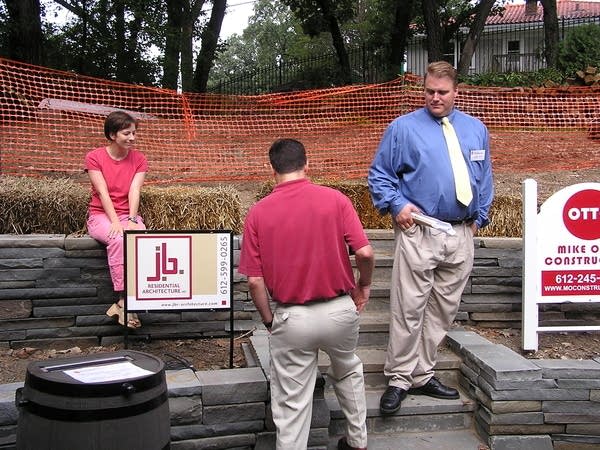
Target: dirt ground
<point>206,354</point>
<point>562,345</point>
<point>200,354</point>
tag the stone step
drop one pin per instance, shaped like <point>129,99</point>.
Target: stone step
<point>482,267</point>
<point>380,238</point>
<point>417,413</point>
<point>373,359</point>
<point>502,306</point>
<point>465,439</point>
<point>380,295</point>
<point>424,418</point>
<point>383,266</point>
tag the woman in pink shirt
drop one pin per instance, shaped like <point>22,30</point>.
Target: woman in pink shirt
<point>117,172</point>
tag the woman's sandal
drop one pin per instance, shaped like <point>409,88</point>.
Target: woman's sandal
<point>132,319</point>
<point>116,311</point>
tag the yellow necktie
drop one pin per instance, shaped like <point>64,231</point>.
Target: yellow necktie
<point>462,182</point>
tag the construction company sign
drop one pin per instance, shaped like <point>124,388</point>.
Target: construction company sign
<point>561,248</point>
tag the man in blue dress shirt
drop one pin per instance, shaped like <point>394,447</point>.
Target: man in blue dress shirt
<point>412,173</point>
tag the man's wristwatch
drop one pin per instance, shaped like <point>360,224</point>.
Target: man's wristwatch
<point>133,219</point>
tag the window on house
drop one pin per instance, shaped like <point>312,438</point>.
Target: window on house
<point>513,57</point>
<point>514,47</point>
<point>449,53</point>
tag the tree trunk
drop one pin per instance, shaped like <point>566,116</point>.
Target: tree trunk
<point>399,36</point>
<point>485,7</point>
<point>210,37</point>
<point>435,34</point>
<point>551,31</point>
<point>25,38</point>
<point>337,40</point>
<point>173,41</point>
<point>80,59</point>
<point>191,14</point>
<point>119,42</point>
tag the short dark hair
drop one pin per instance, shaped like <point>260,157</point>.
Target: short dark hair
<point>287,156</point>
<point>442,69</point>
<point>117,121</point>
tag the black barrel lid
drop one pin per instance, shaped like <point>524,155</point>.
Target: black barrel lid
<point>51,376</point>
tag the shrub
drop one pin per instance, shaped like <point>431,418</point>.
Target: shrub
<point>579,49</point>
<point>515,79</point>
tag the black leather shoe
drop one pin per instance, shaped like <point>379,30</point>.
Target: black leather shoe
<point>343,445</point>
<point>390,400</point>
<point>433,388</point>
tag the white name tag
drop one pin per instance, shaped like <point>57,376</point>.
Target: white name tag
<point>477,155</point>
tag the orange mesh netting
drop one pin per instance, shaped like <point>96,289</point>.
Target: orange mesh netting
<point>50,119</point>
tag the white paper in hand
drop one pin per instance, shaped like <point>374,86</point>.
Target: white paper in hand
<point>432,222</point>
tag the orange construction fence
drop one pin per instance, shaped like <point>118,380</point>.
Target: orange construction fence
<point>50,119</point>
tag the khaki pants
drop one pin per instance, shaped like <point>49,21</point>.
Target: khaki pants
<point>297,335</point>
<point>429,275</point>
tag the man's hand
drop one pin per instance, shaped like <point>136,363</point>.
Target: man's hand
<point>404,218</point>
<point>474,228</point>
<point>360,295</point>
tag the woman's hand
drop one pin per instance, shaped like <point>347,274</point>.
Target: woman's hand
<point>133,226</point>
<point>116,230</point>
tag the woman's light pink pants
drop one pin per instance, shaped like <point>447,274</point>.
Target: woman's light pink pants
<point>98,227</point>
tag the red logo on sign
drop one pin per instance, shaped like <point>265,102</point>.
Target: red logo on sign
<point>581,214</point>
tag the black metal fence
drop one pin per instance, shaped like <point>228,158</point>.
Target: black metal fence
<point>367,65</point>
<point>502,48</point>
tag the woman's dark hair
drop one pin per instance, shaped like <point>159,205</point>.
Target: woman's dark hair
<point>287,155</point>
<point>117,121</point>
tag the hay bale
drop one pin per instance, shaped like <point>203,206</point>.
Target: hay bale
<point>191,208</point>
<point>506,212</point>
<point>42,205</point>
<point>357,192</point>
<point>506,218</point>
<point>59,206</point>
<point>360,196</point>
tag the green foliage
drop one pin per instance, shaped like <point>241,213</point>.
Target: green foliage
<point>273,36</point>
<point>515,79</point>
<point>580,49</point>
<point>312,15</point>
<point>101,38</point>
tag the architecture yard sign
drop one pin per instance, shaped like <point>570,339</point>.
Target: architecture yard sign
<point>178,270</point>
<point>561,254</point>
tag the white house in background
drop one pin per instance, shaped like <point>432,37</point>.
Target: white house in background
<point>513,41</point>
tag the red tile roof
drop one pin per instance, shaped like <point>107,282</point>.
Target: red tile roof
<point>568,9</point>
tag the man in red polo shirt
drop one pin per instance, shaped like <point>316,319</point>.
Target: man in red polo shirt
<point>295,251</point>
